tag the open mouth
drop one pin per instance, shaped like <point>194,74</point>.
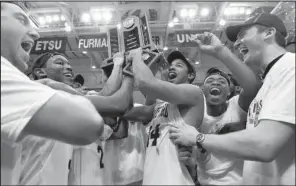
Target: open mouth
<point>172,75</point>
<point>27,46</point>
<point>215,91</point>
<point>68,74</point>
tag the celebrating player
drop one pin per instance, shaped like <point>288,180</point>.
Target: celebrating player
<point>182,103</point>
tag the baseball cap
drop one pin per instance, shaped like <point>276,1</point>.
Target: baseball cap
<point>215,70</point>
<point>178,55</point>
<point>264,19</point>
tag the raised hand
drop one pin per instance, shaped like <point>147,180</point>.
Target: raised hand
<point>135,54</point>
<point>208,43</point>
<point>118,59</point>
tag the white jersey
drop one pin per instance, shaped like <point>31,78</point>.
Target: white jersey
<point>274,101</point>
<point>21,98</point>
<point>126,156</point>
<point>88,166</point>
<point>218,169</point>
<point>162,166</point>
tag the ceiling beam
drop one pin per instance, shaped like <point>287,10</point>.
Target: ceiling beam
<point>220,14</point>
<point>171,8</point>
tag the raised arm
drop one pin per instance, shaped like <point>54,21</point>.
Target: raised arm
<point>142,113</point>
<point>114,81</point>
<point>116,104</point>
<point>242,73</point>
<point>182,94</point>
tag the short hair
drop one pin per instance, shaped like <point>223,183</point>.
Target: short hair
<point>279,38</point>
<point>41,61</point>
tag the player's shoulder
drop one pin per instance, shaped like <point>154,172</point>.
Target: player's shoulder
<point>6,66</point>
<point>286,62</point>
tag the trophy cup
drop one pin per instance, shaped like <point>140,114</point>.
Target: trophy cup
<point>135,33</point>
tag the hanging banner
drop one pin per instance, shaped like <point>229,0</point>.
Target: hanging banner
<point>53,44</point>
<point>158,41</point>
<point>95,42</point>
<point>183,38</point>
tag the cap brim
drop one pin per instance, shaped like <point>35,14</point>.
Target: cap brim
<point>232,31</point>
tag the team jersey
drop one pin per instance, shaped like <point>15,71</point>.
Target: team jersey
<point>87,165</point>
<point>125,157</point>
<point>219,169</point>
<point>162,166</point>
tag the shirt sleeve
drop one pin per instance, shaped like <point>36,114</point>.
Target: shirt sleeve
<point>279,102</point>
<point>20,100</point>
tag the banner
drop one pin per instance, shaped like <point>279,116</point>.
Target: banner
<point>183,38</point>
<point>53,44</point>
<point>158,41</point>
<point>95,42</point>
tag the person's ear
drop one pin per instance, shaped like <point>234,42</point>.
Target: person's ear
<point>270,32</point>
<point>190,76</point>
<point>40,73</point>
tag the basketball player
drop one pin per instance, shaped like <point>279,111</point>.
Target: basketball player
<point>125,157</point>
<point>268,143</point>
<point>55,171</point>
<point>95,164</point>
<point>28,107</point>
<point>182,103</point>
<point>221,116</point>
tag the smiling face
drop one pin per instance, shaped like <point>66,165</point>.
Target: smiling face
<point>178,72</point>
<point>17,35</point>
<point>250,44</point>
<point>57,68</point>
<point>216,89</point>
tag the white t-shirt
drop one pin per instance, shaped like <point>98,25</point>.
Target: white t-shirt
<point>20,100</point>
<point>45,161</point>
<point>274,101</point>
<point>88,163</point>
<point>220,170</point>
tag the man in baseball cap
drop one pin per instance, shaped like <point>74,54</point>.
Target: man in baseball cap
<point>174,76</point>
<point>269,159</point>
<point>263,19</point>
<point>252,37</point>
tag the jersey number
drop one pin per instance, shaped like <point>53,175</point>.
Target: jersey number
<point>154,134</point>
<point>100,151</point>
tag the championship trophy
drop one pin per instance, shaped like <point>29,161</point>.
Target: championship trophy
<point>135,33</point>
